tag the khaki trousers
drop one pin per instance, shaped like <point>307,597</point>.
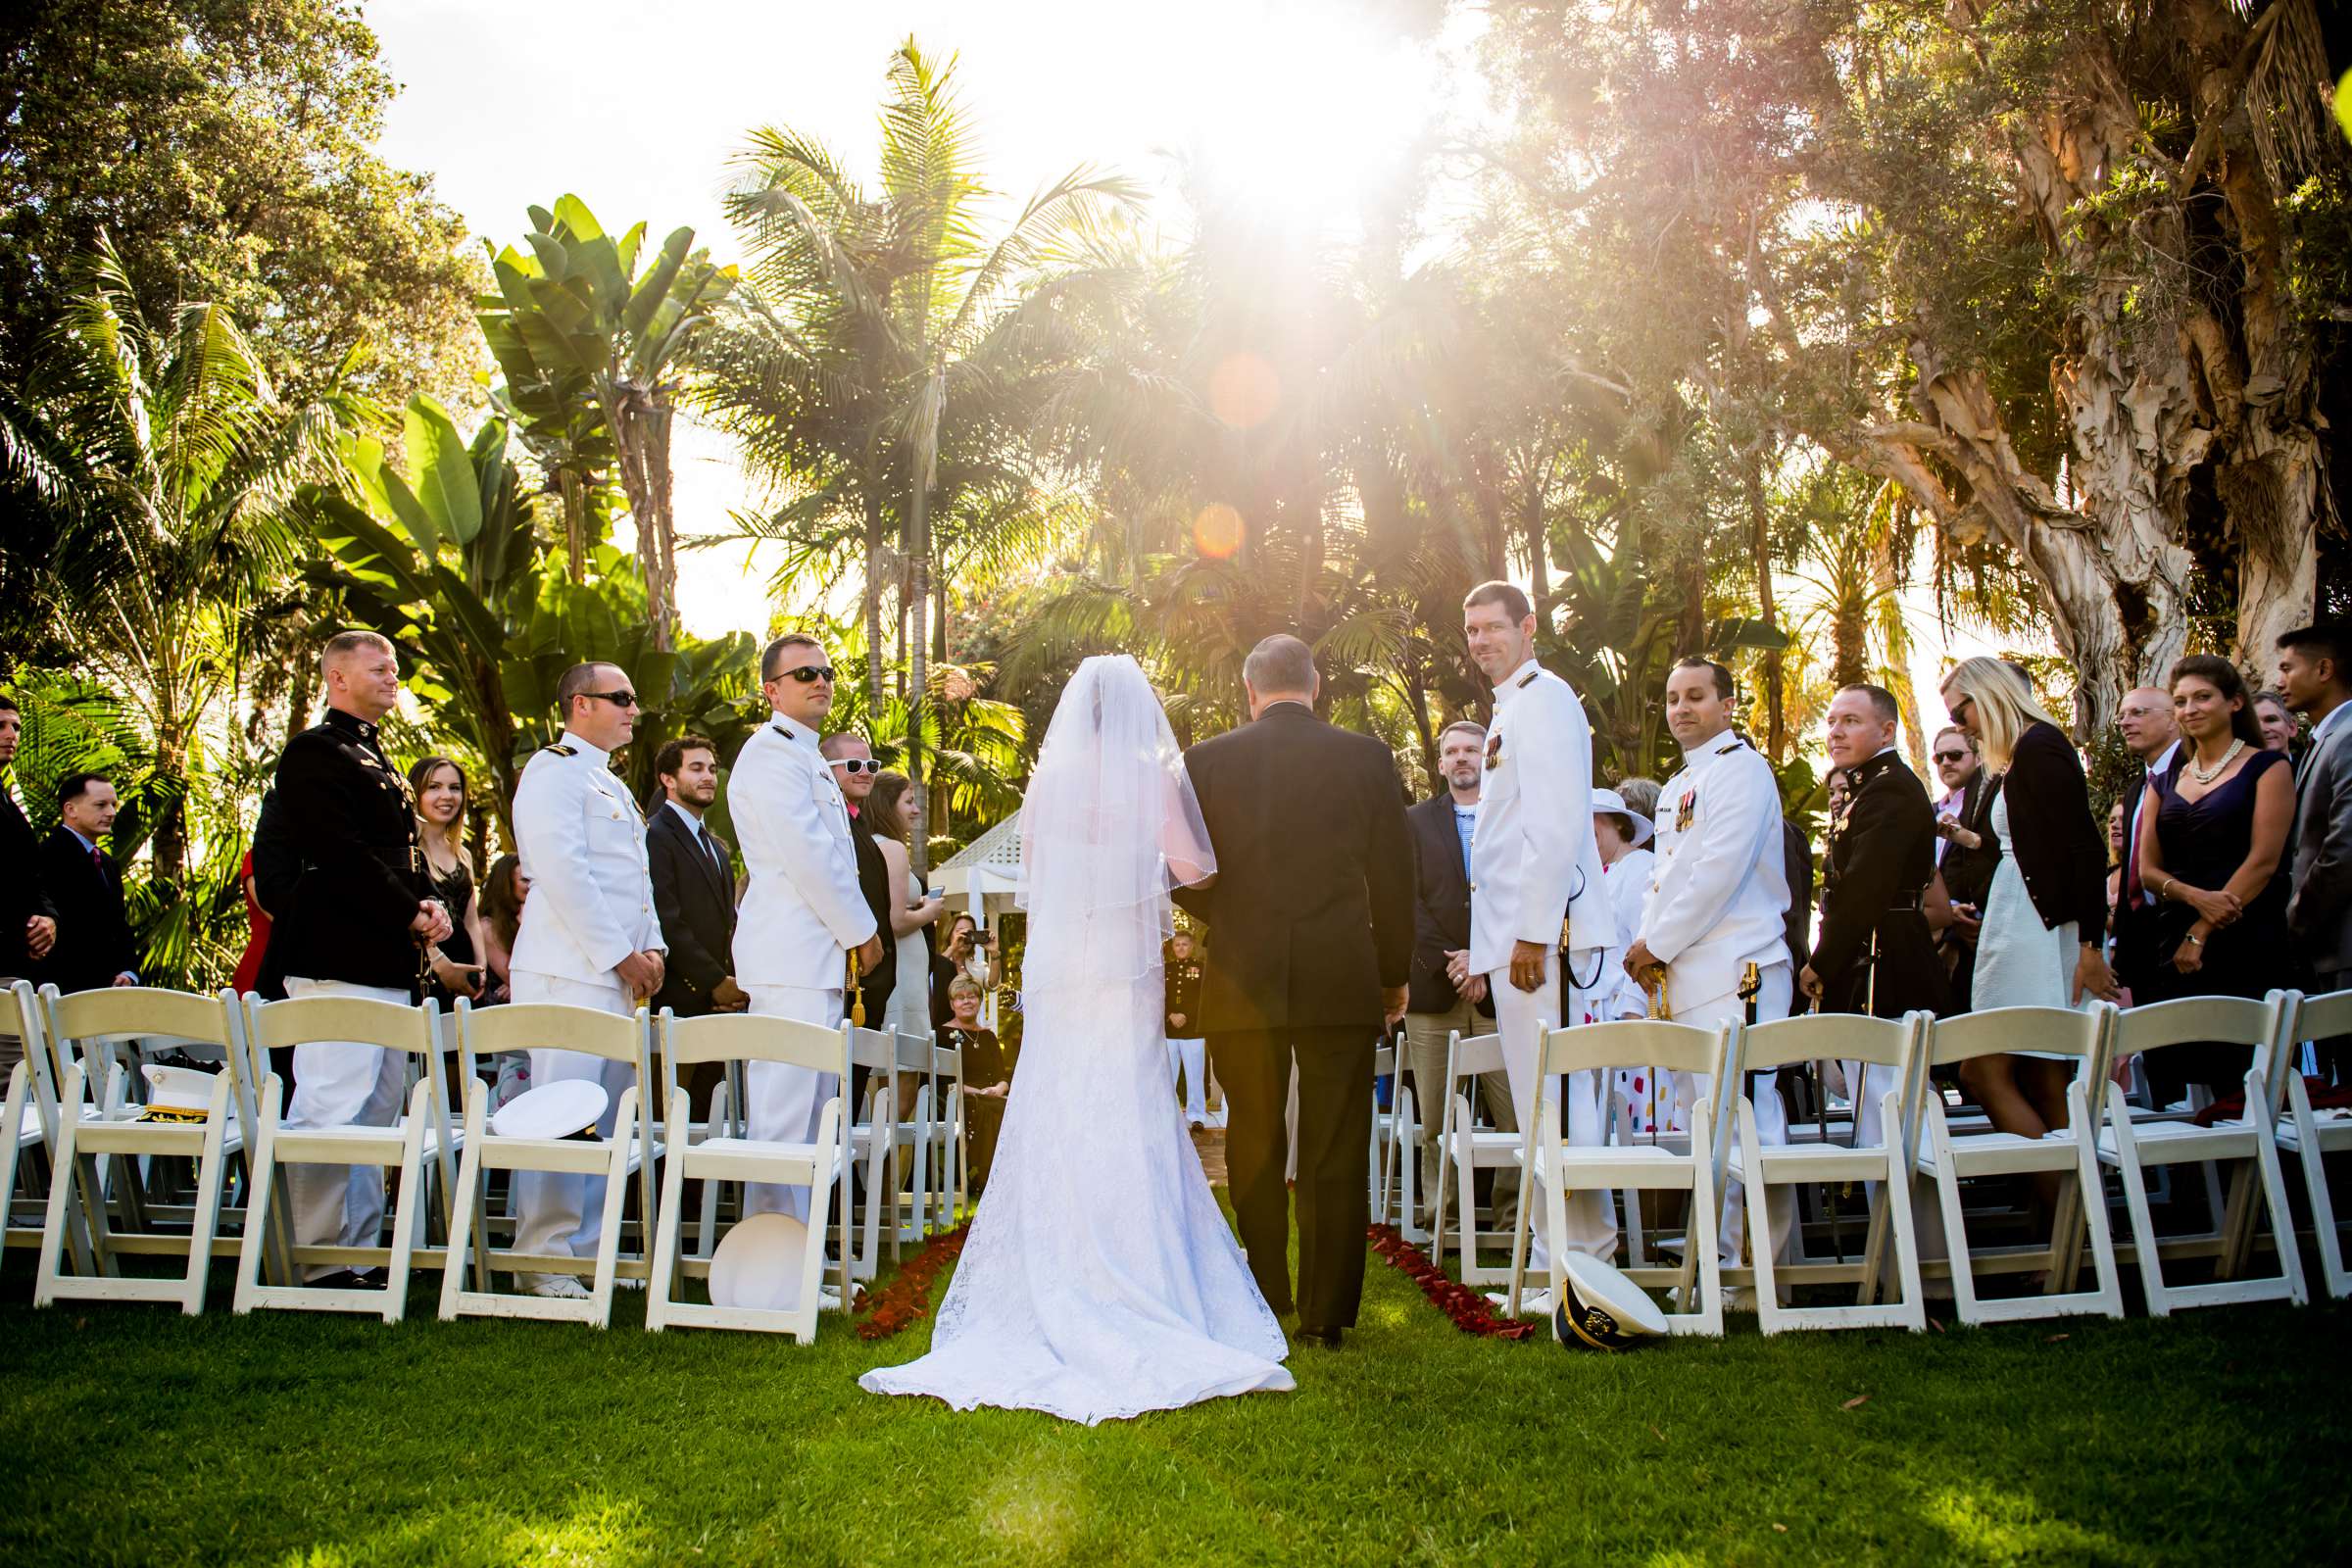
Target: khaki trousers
<point>1427,1036</point>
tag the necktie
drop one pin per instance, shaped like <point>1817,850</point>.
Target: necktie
<point>98,860</point>
<point>710,848</point>
<point>2132,890</point>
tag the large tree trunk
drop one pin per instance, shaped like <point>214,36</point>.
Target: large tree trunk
<point>641,438</point>
<point>872,605</point>
<point>2211,423</point>
<point>918,688</point>
<point>1776,723</point>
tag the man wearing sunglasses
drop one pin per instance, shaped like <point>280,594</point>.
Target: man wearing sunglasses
<point>590,937</point>
<point>804,917</point>
<point>1967,851</point>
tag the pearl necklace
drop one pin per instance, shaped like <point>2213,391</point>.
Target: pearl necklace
<point>2206,775</point>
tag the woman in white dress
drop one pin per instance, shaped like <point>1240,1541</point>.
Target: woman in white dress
<point>2044,913</point>
<point>1100,1281</point>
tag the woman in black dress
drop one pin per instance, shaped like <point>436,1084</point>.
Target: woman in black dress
<point>439,787</point>
<point>2214,862</point>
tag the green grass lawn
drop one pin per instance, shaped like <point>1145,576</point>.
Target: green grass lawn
<point>133,1435</point>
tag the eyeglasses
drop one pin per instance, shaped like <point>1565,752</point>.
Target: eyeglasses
<point>808,674</point>
<point>1949,757</point>
<point>1961,710</point>
<point>620,699</point>
<point>857,765</point>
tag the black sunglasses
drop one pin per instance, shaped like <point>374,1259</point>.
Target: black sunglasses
<point>808,674</point>
<point>619,699</point>
<point>1949,757</point>
<point>857,765</point>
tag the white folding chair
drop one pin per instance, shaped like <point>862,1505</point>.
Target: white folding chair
<point>1466,1148</point>
<point>822,1165</point>
<point>31,1118</point>
<point>2134,1144</point>
<point>1890,1043</point>
<point>520,1026</point>
<point>2313,1136</point>
<point>87,1020</point>
<point>1691,1169</point>
<point>947,1134</point>
<point>872,1136</point>
<point>420,1135</point>
<point>910,1141</point>
<point>1948,1158</point>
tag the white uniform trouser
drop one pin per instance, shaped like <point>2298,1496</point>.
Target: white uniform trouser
<point>556,1212</point>
<point>1772,1114</point>
<point>342,1084</point>
<point>1522,1018</point>
<point>783,1104</point>
<point>1188,1060</point>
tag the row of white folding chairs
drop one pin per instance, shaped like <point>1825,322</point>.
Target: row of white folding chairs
<point>1925,1146</point>
<point>86,1132</point>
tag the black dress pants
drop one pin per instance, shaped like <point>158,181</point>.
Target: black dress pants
<point>1335,1131</point>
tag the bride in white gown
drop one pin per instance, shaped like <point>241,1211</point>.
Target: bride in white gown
<point>1099,1280</point>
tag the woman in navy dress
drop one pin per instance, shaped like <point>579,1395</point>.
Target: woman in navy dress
<point>2214,864</point>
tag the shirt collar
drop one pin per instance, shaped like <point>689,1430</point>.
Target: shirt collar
<point>1692,755</point>
<point>693,821</point>
<point>364,729</point>
<point>2325,724</point>
<point>1516,681</point>
<point>595,754</point>
<point>87,842</point>
<point>2164,758</point>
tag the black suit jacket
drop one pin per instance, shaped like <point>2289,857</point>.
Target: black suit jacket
<point>1968,873</point>
<point>1879,860</point>
<point>21,895</point>
<point>873,880</point>
<point>1311,913</point>
<point>93,936</point>
<point>276,874</point>
<point>696,902</point>
<point>1441,903</point>
<point>1797,863</point>
<point>2060,850</point>
<point>349,817</point>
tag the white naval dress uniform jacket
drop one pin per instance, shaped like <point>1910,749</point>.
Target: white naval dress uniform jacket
<point>801,916</point>
<point>1533,863</point>
<point>1719,893</point>
<point>583,843</point>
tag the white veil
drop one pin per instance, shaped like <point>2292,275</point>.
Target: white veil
<point>1109,826</point>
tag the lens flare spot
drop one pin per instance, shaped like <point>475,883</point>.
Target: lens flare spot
<point>1217,530</point>
<point>1244,390</point>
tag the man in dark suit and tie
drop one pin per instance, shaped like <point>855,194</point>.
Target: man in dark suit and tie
<point>94,947</point>
<point>27,919</point>
<point>1436,1006</point>
<point>694,883</point>
<point>1310,927</point>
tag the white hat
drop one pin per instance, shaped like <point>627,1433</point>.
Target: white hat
<point>1602,1308</point>
<point>1609,800</point>
<point>757,1263</point>
<point>178,1093</point>
<point>559,1109</point>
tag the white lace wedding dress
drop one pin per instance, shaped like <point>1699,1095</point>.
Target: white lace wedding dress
<point>1100,1281</point>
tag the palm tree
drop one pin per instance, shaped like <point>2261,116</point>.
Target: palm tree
<point>894,336</point>
<point>169,466</point>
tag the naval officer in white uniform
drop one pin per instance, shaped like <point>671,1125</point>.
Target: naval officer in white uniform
<point>1718,903</point>
<point>1534,868</point>
<point>589,939</point>
<point>804,914</point>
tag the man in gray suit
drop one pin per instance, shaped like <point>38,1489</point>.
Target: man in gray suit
<point>2317,682</point>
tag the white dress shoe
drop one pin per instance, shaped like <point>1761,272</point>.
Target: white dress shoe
<point>555,1287</point>
<point>1532,1304</point>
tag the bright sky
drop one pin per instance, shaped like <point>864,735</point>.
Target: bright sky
<point>637,112</point>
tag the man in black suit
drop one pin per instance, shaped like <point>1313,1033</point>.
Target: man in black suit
<point>694,884</point>
<point>94,947</point>
<point>27,919</point>
<point>1311,937</point>
<point>855,770</point>
<point>1434,1008</point>
<point>354,927</point>
<point>1966,852</point>
<point>1875,954</point>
